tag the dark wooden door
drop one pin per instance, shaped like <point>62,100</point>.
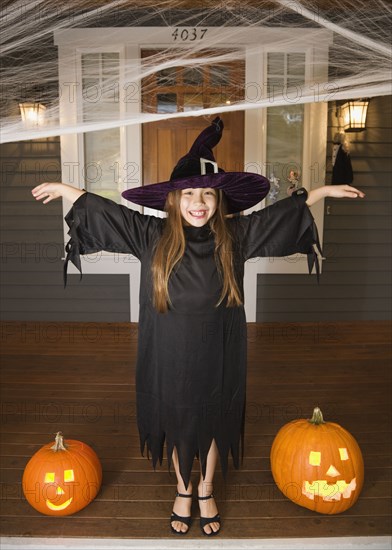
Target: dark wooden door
<point>181,90</point>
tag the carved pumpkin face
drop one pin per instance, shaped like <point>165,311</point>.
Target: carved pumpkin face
<point>334,485</point>
<point>317,465</point>
<point>62,479</point>
<point>56,493</point>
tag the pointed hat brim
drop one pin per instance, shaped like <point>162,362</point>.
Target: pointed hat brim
<point>242,189</point>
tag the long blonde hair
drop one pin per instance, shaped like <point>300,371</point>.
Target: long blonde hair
<point>170,249</point>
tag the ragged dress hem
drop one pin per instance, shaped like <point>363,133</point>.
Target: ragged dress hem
<point>188,445</point>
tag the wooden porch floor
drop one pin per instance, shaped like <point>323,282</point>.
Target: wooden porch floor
<point>79,378</point>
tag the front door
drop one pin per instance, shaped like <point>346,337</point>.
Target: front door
<point>183,89</point>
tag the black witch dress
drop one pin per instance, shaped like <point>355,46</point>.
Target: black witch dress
<point>191,361</point>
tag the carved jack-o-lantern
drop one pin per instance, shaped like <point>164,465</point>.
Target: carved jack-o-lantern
<point>63,478</point>
<point>317,464</point>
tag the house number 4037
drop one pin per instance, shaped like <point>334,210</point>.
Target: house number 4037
<point>188,34</point>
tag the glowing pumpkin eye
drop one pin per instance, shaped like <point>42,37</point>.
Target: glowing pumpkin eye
<point>49,477</point>
<point>314,458</point>
<point>343,453</point>
<point>69,475</point>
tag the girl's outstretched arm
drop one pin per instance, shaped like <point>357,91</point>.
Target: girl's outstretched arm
<point>51,191</point>
<point>336,191</point>
<point>96,223</point>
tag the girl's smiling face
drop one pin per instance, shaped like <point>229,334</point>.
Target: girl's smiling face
<point>198,205</point>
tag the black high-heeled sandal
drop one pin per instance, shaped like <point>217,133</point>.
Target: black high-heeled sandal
<point>183,519</point>
<point>206,521</point>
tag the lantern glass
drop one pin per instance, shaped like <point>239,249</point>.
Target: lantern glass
<point>354,115</point>
<point>33,114</point>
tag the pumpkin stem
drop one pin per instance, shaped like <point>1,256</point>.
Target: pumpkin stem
<point>59,444</point>
<point>317,417</point>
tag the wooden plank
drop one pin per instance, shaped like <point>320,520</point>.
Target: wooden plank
<point>36,239</point>
<point>261,493</point>
<point>32,208</point>
<point>328,305</point>
<point>326,383</point>
<point>353,250</point>
<point>15,261</point>
<point>363,236</point>
<point>15,175</point>
<point>94,291</point>
<point>344,264</point>
<point>367,180</point>
<point>42,239</point>
<point>139,463</point>
<point>16,194</point>
<point>87,316</point>
<point>161,476</point>
<point>356,222</point>
<point>362,208</point>
<point>327,278</point>
<point>228,508</point>
<point>32,163</point>
<point>365,149</point>
<point>18,278</point>
<point>26,449</point>
<point>370,164</point>
<point>34,333</point>
<point>373,134</point>
<point>12,222</point>
<point>50,148</point>
<point>89,305</point>
<point>271,292</point>
<point>256,433</point>
<point>322,316</point>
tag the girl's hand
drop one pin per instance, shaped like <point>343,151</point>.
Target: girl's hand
<point>47,191</point>
<point>343,191</point>
<point>51,191</point>
<point>336,191</point>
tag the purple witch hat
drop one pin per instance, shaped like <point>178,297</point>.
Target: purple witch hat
<point>198,169</point>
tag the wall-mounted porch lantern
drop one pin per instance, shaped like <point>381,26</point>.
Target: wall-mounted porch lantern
<point>33,114</point>
<point>353,114</point>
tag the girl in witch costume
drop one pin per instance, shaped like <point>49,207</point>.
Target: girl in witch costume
<point>191,363</point>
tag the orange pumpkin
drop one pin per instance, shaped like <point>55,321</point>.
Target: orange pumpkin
<point>317,464</point>
<point>63,478</point>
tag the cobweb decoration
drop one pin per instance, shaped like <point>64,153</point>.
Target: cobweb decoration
<point>359,58</point>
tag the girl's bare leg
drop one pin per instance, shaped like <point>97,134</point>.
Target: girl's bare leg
<point>208,507</point>
<point>182,506</point>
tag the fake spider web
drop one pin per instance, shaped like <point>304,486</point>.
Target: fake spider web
<point>358,64</point>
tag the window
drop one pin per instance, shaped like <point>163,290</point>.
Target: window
<point>100,93</point>
<point>182,89</point>
<point>285,124</point>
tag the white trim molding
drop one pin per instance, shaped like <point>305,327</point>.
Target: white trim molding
<point>72,543</point>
